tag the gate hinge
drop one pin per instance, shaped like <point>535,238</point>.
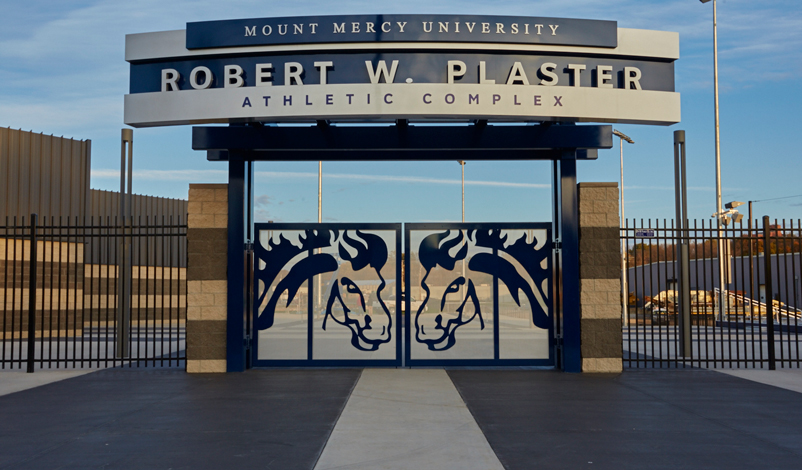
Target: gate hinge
<point>558,341</point>
<point>247,342</point>
<point>558,245</point>
<point>249,247</point>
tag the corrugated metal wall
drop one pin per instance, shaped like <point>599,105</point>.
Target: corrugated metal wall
<point>49,176</point>
<point>146,209</point>
<point>43,174</point>
<point>151,216</point>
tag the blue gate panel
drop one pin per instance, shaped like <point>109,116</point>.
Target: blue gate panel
<point>479,294</point>
<point>327,294</point>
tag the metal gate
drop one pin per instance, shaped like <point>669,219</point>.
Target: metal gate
<point>459,294</point>
<point>480,294</point>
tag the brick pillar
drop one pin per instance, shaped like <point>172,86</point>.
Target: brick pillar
<point>600,277</point>
<point>207,244</point>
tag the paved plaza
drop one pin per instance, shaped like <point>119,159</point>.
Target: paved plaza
<point>153,418</point>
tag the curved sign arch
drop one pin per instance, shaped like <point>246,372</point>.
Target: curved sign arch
<point>388,67</point>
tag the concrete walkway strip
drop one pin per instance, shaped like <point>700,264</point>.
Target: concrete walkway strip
<point>789,379</point>
<point>18,380</point>
<point>406,418</point>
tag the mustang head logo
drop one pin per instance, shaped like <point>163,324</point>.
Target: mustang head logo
<point>369,327</point>
<point>440,334</point>
<point>356,314</point>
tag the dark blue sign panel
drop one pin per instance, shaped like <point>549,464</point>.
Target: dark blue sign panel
<point>411,68</point>
<point>402,28</point>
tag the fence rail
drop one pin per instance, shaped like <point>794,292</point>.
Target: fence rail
<point>750,320</point>
<point>59,305</point>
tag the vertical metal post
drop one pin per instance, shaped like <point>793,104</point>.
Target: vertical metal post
<point>624,288</point>
<point>235,319</point>
<point>719,207</point>
<point>496,314</point>
<point>716,106</point>
<point>769,292</point>
<point>124,267</point>
<point>249,242</point>
<point>682,254</point>
<point>319,220</point>
<point>556,291</point>
<point>462,165</point>
<point>751,261</point>
<point>568,222</point>
<point>32,272</point>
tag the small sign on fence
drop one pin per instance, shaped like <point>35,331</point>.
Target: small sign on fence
<point>643,233</point>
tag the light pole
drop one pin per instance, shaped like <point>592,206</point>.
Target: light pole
<point>624,290</point>
<point>319,220</point>
<point>462,164</point>
<point>719,210</point>
<point>124,279</point>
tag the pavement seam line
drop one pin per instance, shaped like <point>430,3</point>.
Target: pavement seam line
<point>478,424</point>
<point>339,414</point>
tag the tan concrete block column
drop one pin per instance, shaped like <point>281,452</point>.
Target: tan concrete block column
<point>600,277</point>
<point>207,241</point>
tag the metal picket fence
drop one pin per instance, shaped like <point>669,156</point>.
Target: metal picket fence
<point>59,284</point>
<point>751,320</point>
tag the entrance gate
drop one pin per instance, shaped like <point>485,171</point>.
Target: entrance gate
<point>472,294</point>
<point>436,95</point>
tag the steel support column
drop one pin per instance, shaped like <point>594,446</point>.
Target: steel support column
<point>235,327</point>
<point>566,222</point>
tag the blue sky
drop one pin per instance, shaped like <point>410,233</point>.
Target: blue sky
<point>63,72</point>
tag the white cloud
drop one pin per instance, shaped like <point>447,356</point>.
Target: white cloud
<point>221,175</point>
<point>67,73</point>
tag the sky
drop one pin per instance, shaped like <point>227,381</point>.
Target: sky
<point>62,72</point>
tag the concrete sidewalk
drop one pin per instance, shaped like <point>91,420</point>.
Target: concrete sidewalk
<point>789,379</point>
<point>12,381</point>
<point>350,419</point>
<point>407,418</point>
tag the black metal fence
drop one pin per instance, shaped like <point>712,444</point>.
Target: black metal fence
<point>751,320</point>
<point>59,305</point>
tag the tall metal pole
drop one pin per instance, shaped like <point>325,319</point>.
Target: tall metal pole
<point>719,208</point>
<point>682,298</point>
<point>624,288</point>
<point>124,273</point>
<point>319,220</point>
<point>716,105</point>
<point>462,165</point>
